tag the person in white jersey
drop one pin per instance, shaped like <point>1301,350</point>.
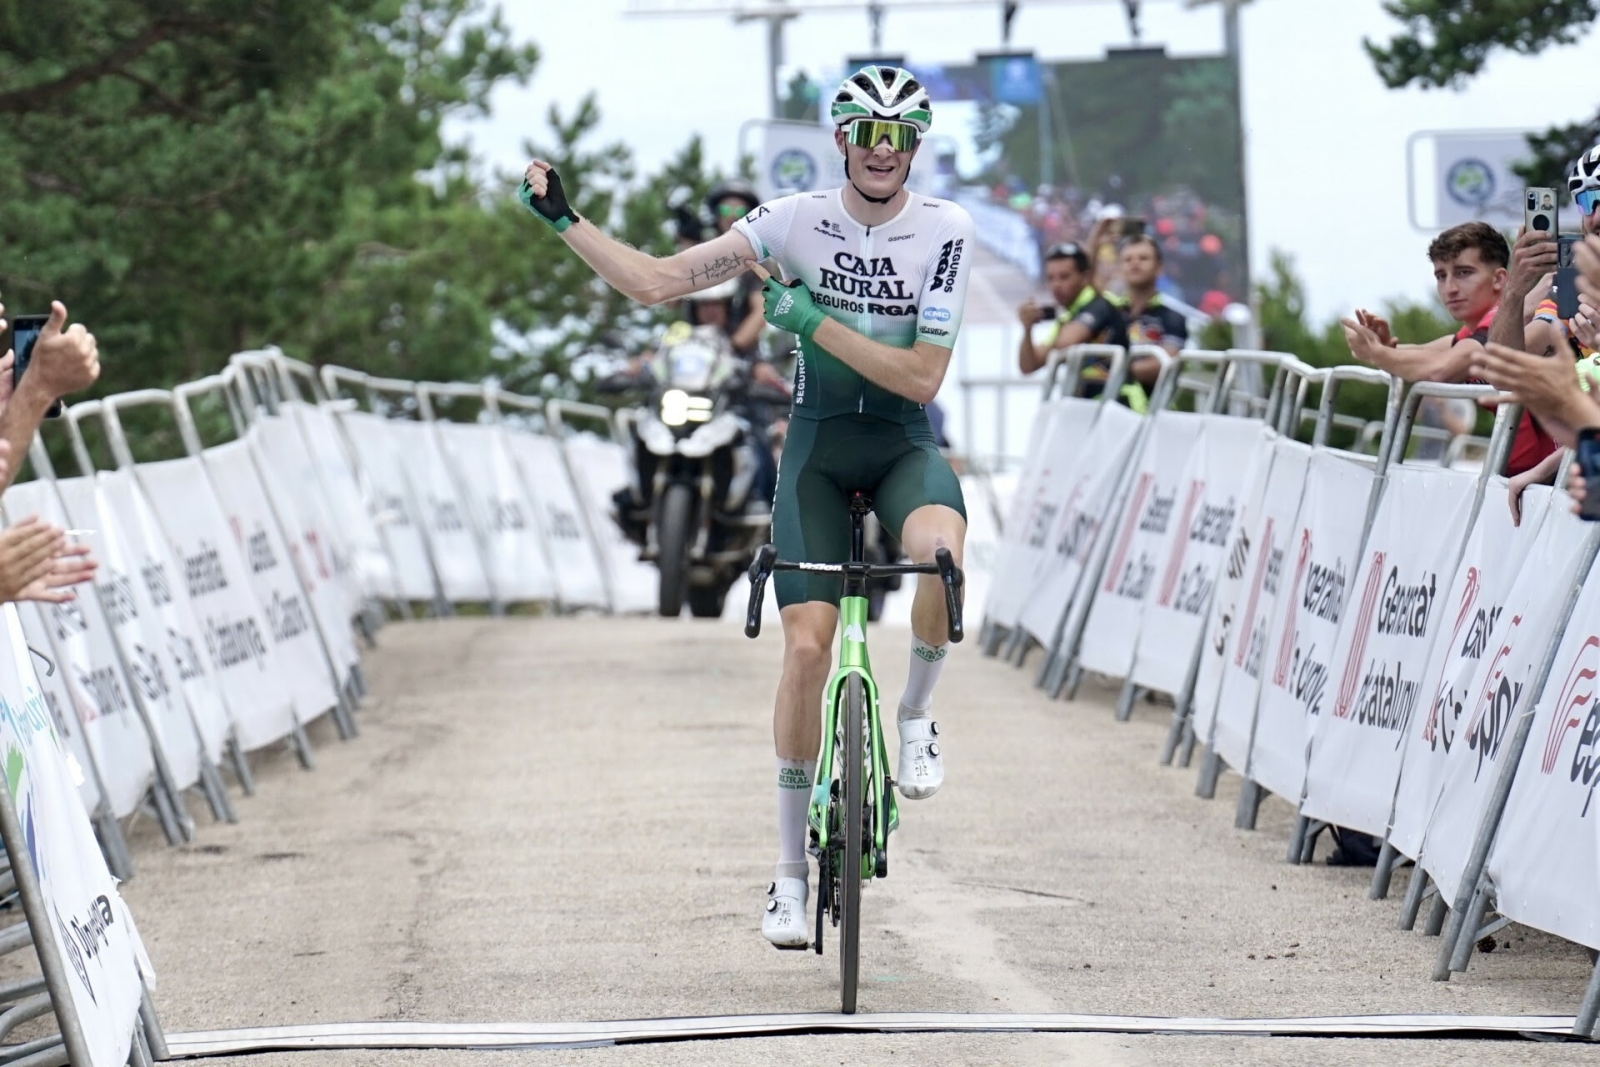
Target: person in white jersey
<point>879,279</point>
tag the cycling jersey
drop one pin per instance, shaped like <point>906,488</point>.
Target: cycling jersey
<point>897,283</point>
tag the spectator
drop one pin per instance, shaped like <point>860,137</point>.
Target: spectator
<point>1470,272</point>
<point>36,562</point>
<point>1083,316</point>
<point>730,202</point>
<point>1150,321</point>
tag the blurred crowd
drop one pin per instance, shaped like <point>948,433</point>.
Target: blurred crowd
<point>1187,231</point>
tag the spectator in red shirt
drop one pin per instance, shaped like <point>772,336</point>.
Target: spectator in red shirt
<point>1470,264</point>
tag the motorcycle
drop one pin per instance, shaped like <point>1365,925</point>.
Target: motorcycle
<point>691,509</point>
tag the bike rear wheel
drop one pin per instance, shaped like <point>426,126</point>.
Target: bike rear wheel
<point>853,722</point>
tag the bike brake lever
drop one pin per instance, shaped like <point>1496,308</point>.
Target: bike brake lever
<point>760,571</point>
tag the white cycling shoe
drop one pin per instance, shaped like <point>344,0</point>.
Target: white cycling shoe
<point>784,921</point>
<point>921,770</point>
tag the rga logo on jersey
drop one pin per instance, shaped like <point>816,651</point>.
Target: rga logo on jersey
<point>936,314</point>
<point>871,280</point>
<point>944,275</point>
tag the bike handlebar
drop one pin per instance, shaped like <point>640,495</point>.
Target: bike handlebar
<point>944,566</point>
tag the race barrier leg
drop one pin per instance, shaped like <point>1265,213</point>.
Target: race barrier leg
<point>1126,699</point>
<point>1250,797</point>
<point>1416,893</point>
<point>1388,862</point>
<point>1464,921</point>
<point>1205,786</point>
<point>1589,1008</point>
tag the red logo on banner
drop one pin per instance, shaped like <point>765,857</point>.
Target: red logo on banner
<point>1131,523</point>
<point>1576,692</point>
<point>1280,675</point>
<point>1169,581</point>
<point>1358,647</point>
<point>1255,596</point>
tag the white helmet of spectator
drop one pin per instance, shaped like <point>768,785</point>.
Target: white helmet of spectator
<point>884,93</point>
<point>1585,174</point>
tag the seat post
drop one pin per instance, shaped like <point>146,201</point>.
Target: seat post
<point>859,506</point>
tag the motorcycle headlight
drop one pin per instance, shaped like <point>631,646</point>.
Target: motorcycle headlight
<point>678,407</point>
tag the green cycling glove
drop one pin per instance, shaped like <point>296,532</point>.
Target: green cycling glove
<point>552,208</point>
<point>790,307</point>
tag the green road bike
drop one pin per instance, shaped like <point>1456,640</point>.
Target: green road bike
<point>853,807</point>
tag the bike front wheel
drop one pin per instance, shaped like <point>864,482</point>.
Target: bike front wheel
<point>853,723</point>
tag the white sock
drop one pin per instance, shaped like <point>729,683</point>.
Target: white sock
<point>926,663</point>
<point>794,798</point>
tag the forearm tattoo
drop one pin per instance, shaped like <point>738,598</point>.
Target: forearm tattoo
<point>718,269</point>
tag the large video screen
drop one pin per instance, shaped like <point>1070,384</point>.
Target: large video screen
<point>1041,151</point>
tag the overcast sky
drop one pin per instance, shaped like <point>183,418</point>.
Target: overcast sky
<point>1326,141</point>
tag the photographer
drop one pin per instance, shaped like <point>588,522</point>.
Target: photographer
<point>36,562</point>
<point>1081,316</point>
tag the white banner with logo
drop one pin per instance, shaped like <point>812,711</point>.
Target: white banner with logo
<point>89,922</point>
<point>333,598</point>
<point>1055,452</point>
<point>1164,486</point>
<point>348,502</point>
<point>1474,609</point>
<point>395,514</point>
<point>574,558</point>
<point>600,468</point>
<point>455,545</point>
<point>503,511</point>
<point>78,636</point>
<point>319,546</point>
<point>1305,626</point>
<point>165,609</point>
<point>1242,611</point>
<point>1381,659</point>
<point>1080,506</point>
<point>291,619</point>
<point>1546,858</point>
<point>1230,451</point>
<point>150,669</point>
<point>1474,179</point>
<point>232,625</point>
<point>1499,695</point>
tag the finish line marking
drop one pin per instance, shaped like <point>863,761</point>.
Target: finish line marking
<point>413,1035</point>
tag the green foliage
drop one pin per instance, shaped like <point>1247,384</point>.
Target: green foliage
<point>1448,41</point>
<point>198,177</point>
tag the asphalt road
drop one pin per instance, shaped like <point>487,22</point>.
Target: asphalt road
<point>571,819</point>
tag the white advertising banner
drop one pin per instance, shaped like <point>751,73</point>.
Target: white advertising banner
<point>291,621</point>
<point>74,746</point>
<point>164,606</point>
<point>395,514</point>
<point>1546,858</point>
<point>1175,617</point>
<point>235,631</point>
<point>1056,451</point>
<point>1474,179</point>
<point>1241,619</point>
<point>455,545</point>
<point>319,547</point>
<point>1304,629</point>
<point>333,596</point>
<point>348,503</point>
<point>1080,507</point>
<point>89,922</point>
<point>600,468</point>
<point>1499,694</point>
<point>1165,495</point>
<point>1381,659</point>
<point>124,601</point>
<point>574,559</point>
<point>80,638</point>
<point>503,511</point>
<point>1474,609</point>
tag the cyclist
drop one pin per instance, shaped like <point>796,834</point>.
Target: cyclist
<point>881,281</point>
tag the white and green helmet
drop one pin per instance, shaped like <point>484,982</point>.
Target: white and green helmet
<point>883,93</point>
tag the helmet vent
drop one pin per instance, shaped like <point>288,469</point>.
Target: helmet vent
<point>906,91</point>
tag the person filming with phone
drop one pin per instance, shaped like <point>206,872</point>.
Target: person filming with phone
<point>1080,315</point>
<point>37,562</point>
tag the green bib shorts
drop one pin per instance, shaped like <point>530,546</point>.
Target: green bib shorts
<point>824,461</point>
